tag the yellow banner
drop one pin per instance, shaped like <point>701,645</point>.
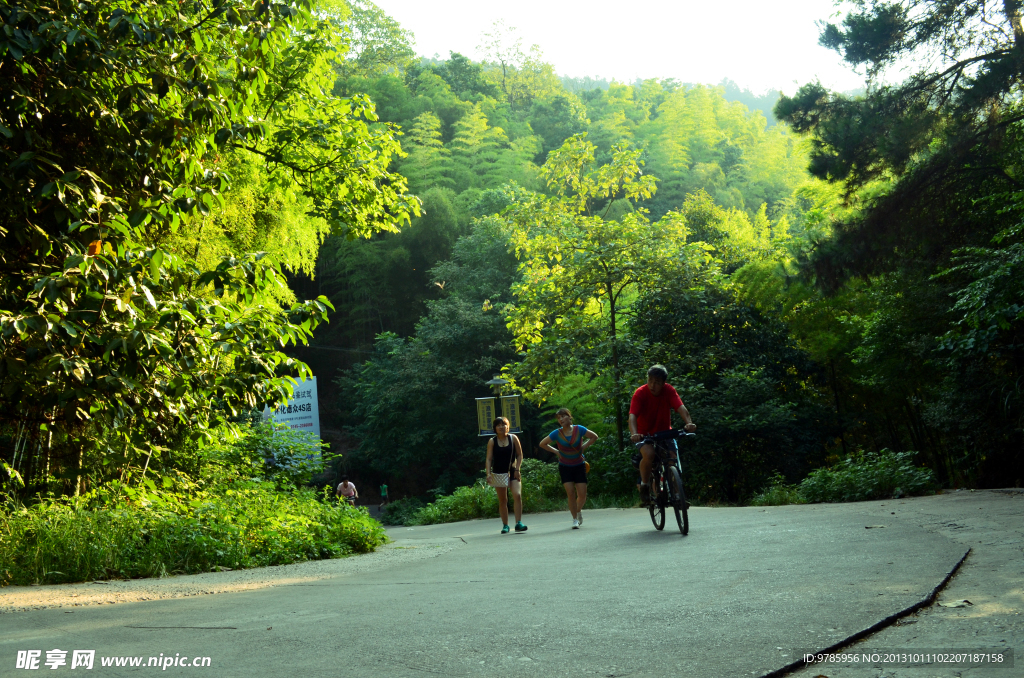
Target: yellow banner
<point>485,416</point>
<point>510,410</point>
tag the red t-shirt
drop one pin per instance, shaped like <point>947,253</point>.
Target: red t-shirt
<point>653,412</point>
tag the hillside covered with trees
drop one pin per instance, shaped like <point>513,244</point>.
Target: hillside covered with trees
<point>728,253</point>
<point>202,203</point>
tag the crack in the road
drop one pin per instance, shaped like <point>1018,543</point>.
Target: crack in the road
<point>874,628</point>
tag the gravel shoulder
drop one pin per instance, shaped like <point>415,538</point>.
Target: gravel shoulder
<point>21,598</point>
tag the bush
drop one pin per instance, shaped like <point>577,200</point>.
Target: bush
<point>478,500</point>
<point>128,533</point>
<point>268,452</point>
<point>879,475</point>
<point>541,481</point>
<point>542,492</point>
<point>778,494</point>
<point>400,511</point>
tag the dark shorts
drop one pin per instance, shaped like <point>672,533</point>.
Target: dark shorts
<point>573,474</point>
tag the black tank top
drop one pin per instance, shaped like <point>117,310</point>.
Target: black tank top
<point>501,457</point>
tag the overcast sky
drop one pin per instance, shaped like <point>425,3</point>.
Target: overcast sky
<point>759,45</point>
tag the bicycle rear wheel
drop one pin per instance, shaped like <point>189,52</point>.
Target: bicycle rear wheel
<point>657,505</point>
<point>678,498</point>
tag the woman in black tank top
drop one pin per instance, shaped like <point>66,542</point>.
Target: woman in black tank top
<point>505,455</point>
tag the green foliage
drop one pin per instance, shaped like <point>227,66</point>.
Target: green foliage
<point>778,493</point>
<point>878,475</point>
<point>257,215</point>
<point>541,482</point>
<point>377,44</point>
<point>274,453</point>
<point>242,509</point>
<point>581,394</point>
<point>991,300</point>
<point>749,388</point>
<point>401,511</point>
<point>939,140</point>
<point>478,500</point>
<point>782,371</point>
<point>463,132</point>
<point>579,270</point>
<point>126,533</point>
<point>123,127</point>
<point>413,389</point>
<point>520,76</point>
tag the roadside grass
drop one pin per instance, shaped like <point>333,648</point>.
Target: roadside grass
<point>249,507</point>
<point>882,475</point>
<point>126,533</point>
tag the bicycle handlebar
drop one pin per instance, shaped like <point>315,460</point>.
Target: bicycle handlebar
<point>671,434</point>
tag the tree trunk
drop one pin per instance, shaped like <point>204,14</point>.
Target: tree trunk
<point>839,411</point>
<point>616,377</point>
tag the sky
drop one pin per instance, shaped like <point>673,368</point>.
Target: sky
<point>759,45</point>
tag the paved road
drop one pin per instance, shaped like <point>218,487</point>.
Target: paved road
<point>742,595</point>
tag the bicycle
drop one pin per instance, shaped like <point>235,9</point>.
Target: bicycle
<point>666,480</point>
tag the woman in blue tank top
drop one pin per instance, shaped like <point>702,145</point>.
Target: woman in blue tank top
<point>571,441</point>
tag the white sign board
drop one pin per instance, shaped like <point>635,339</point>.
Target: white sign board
<point>301,413</point>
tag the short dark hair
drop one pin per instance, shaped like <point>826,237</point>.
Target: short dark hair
<point>658,372</point>
<point>494,424</point>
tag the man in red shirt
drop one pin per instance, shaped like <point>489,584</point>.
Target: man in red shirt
<point>649,413</point>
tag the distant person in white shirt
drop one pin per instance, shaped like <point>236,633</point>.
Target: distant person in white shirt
<point>347,490</point>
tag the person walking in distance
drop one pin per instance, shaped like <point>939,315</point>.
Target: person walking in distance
<point>649,413</point>
<point>504,459</point>
<point>383,494</point>
<point>571,441</point>
<point>347,490</point>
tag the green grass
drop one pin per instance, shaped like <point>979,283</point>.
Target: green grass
<point>128,533</point>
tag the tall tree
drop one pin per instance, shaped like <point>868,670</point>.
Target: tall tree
<point>427,157</point>
<point>114,125</point>
<point>521,76</point>
<point>377,44</point>
<point>937,141</point>
<point>580,268</point>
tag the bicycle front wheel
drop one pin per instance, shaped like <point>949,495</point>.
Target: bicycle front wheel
<point>657,506</point>
<point>678,497</point>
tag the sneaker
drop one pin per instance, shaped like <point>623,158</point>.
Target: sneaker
<point>579,517</point>
<point>520,527</point>
<point>504,529</point>
<point>645,495</point>
<point>575,524</point>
